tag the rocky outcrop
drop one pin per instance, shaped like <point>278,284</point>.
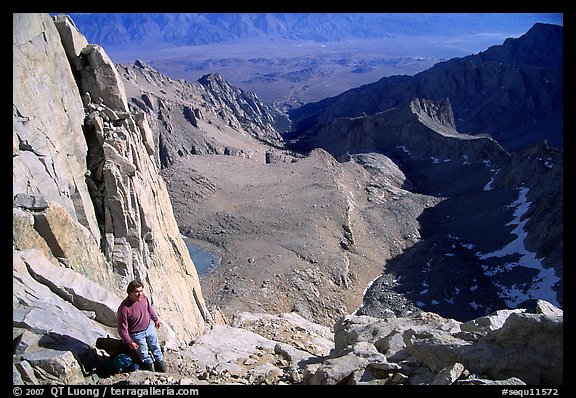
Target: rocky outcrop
<point>209,116</point>
<point>90,210</point>
<point>513,92</point>
<point>55,329</point>
<point>507,347</point>
<point>423,129</point>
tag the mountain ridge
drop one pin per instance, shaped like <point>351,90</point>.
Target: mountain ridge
<point>181,113</point>
<point>180,29</point>
<point>393,131</point>
<point>479,88</point>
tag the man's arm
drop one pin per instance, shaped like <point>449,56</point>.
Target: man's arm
<point>122,326</point>
<point>153,314</point>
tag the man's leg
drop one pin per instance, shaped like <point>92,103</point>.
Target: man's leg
<point>142,351</point>
<point>154,346</point>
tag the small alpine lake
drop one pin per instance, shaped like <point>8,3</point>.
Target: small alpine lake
<point>204,260</point>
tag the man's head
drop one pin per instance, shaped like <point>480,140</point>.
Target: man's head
<point>135,290</point>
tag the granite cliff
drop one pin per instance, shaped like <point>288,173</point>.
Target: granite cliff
<point>90,210</point>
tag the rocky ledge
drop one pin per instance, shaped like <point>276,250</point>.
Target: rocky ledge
<point>507,347</point>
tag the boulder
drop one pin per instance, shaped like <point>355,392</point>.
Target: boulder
<point>338,370</point>
<point>100,78</point>
<point>75,288</point>
<point>39,310</point>
<point>488,323</point>
<point>385,333</point>
<point>60,364</point>
<point>528,346</point>
<point>448,375</point>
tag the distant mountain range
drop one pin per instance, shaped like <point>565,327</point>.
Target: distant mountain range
<point>176,29</point>
<point>512,91</point>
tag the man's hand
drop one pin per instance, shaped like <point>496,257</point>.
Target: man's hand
<point>133,346</point>
<point>157,323</point>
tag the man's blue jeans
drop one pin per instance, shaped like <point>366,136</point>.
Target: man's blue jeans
<point>147,341</point>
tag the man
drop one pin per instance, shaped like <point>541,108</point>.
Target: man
<point>135,328</point>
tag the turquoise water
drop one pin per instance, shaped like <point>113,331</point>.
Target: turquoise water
<point>204,261</point>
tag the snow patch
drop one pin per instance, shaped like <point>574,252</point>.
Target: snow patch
<point>542,285</point>
<point>403,147</point>
<point>548,162</point>
<point>490,184</point>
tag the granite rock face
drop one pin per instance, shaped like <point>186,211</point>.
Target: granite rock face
<point>90,210</point>
<point>49,147</point>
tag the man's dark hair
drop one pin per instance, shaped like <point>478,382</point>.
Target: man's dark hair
<point>135,284</point>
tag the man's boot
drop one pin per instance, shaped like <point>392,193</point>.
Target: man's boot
<point>147,366</point>
<point>160,366</point>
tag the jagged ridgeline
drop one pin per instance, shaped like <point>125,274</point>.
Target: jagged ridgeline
<point>405,232</point>
<point>512,91</point>
<point>209,116</point>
